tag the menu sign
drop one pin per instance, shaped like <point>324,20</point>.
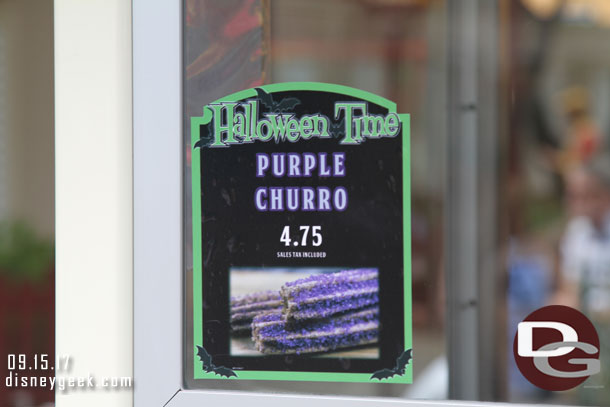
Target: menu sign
<point>301,236</point>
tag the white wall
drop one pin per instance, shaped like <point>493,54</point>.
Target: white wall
<point>93,175</point>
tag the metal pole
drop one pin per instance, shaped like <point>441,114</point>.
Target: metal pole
<point>470,264</point>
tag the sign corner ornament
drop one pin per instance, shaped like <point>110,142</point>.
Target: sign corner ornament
<point>301,236</point>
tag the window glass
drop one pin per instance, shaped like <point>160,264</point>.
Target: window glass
<point>536,186</point>
<point>400,55</point>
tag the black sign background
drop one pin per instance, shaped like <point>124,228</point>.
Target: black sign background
<point>368,234</point>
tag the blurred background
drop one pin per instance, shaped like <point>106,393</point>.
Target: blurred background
<point>27,282</point>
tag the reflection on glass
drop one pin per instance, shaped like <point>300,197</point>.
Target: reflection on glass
<point>558,175</point>
<point>554,187</point>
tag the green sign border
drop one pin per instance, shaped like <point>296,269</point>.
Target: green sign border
<point>196,123</point>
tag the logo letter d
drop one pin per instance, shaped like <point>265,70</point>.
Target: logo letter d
<point>525,338</point>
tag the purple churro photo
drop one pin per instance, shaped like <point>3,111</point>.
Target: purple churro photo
<point>245,307</point>
<point>315,312</point>
<point>323,295</point>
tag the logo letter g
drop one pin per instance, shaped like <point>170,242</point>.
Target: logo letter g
<point>593,365</point>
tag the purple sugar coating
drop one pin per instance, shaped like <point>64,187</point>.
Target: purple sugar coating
<point>325,344</point>
<point>251,310</point>
<point>244,308</point>
<point>330,307</point>
<point>268,317</point>
<point>273,335</point>
<point>323,295</point>
<point>330,278</point>
<point>321,290</point>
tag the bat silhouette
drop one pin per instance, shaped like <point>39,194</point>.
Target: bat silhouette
<point>401,363</point>
<point>210,367</point>
<point>286,104</point>
<point>337,129</point>
<point>204,140</point>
